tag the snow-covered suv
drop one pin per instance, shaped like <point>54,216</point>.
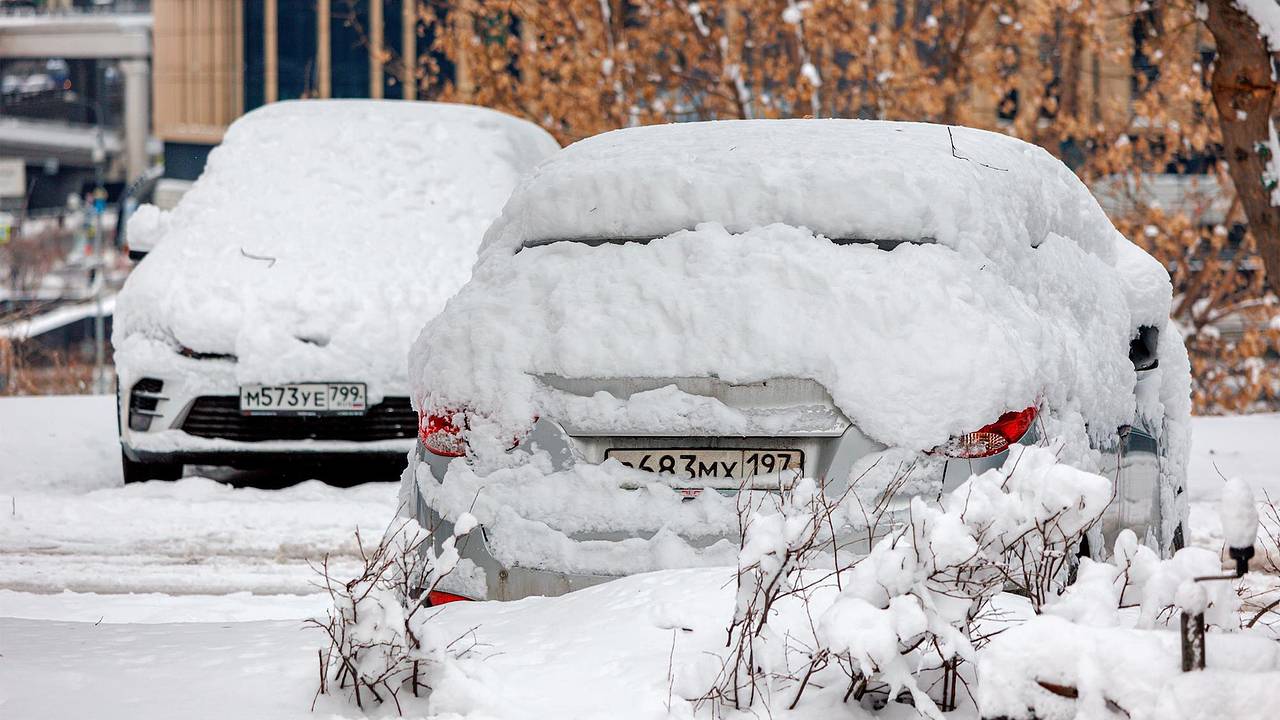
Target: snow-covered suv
<point>272,320</point>
<point>665,320</point>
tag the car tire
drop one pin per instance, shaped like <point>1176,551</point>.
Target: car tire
<point>135,471</point>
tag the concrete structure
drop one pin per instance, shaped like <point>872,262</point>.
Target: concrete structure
<point>101,36</point>
<point>74,144</point>
<point>121,37</point>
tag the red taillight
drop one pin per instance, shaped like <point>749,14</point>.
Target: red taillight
<point>441,434</point>
<point>992,439</point>
<point>438,597</point>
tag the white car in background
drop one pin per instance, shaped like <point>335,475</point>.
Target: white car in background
<point>665,318</point>
<point>271,321</point>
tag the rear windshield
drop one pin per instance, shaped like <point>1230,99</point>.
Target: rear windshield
<point>882,243</point>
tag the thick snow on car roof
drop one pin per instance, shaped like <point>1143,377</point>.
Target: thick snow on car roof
<point>1028,296</point>
<point>321,236</point>
<point>863,179</point>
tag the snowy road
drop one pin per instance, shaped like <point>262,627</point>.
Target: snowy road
<point>193,536</point>
<point>67,522</point>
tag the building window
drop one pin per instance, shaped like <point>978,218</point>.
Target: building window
<point>349,50</point>
<point>296,23</point>
<point>255,67</point>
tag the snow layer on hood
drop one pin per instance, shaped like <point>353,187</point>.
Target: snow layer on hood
<point>323,233</point>
<point>914,345</point>
<point>841,178</point>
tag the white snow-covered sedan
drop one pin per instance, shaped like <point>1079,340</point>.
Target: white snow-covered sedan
<point>272,319</point>
<point>665,318</point>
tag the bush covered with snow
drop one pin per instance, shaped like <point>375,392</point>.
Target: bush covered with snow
<point>906,613</point>
<point>381,639</point>
<point>909,620</point>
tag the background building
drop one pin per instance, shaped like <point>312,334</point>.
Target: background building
<point>216,61</point>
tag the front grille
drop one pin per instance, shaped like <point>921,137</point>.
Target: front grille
<point>220,417</point>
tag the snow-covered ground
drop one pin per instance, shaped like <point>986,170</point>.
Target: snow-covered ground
<point>189,598</point>
<point>69,522</point>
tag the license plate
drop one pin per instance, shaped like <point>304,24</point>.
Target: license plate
<point>303,399</point>
<point>698,464</point>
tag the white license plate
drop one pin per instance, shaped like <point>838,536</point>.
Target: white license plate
<point>699,464</point>
<point>303,399</point>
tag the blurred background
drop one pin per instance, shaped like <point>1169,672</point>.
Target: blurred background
<point>1163,108</point>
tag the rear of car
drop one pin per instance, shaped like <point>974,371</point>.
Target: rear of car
<point>271,321</point>
<point>670,325</point>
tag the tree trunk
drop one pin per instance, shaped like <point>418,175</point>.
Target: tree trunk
<point>1244,93</point>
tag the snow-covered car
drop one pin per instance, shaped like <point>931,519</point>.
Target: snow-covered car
<point>666,322</point>
<point>272,320</point>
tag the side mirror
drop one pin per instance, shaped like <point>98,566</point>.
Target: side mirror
<point>1144,348</point>
<point>144,229</point>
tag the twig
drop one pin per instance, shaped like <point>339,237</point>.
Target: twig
<point>957,156</point>
<point>269,260</point>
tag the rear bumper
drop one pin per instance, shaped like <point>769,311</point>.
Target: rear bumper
<point>480,576</point>
<point>532,539</point>
<point>612,530</point>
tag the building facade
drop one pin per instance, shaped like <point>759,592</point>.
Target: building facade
<point>215,61</point>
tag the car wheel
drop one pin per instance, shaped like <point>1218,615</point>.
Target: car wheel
<point>135,471</point>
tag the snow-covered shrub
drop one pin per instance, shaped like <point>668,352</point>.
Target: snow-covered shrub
<point>906,614</point>
<point>1105,594</point>
<point>1031,514</point>
<point>777,547</point>
<point>909,606</point>
<point>380,636</point>
<point>1109,646</point>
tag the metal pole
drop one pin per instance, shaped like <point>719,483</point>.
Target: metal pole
<point>1192,642</point>
<point>99,329</point>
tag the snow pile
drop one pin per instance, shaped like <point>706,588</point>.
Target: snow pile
<point>320,236</point>
<point>1035,669</point>
<point>895,618</point>
<point>1020,282</point>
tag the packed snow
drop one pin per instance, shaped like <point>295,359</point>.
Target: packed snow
<point>319,237</point>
